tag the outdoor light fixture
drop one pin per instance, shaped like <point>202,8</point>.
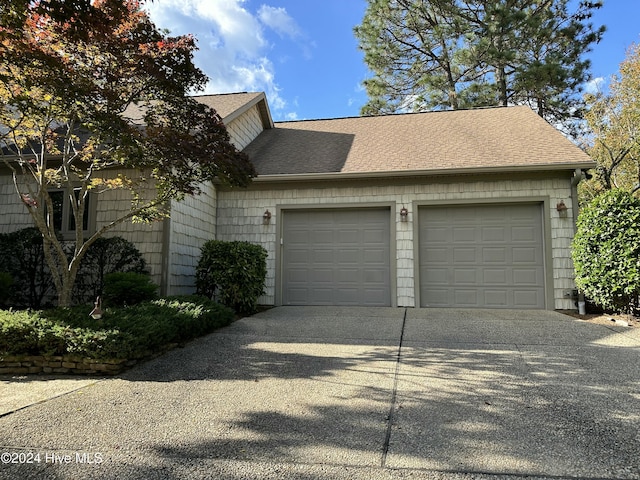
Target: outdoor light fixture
<point>404,214</point>
<point>96,313</point>
<point>562,208</point>
<point>266,217</point>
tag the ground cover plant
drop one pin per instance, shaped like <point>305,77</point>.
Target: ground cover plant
<point>122,333</point>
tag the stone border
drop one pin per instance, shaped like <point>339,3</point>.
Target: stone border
<point>69,364</point>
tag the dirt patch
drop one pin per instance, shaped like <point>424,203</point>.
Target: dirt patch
<point>605,318</point>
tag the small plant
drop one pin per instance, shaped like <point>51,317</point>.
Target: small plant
<point>232,272</point>
<point>128,288</point>
<point>606,251</point>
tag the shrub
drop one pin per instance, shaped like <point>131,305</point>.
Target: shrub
<point>22,256</point>
<point>6,284</point>
<point>232,272</point>
<point>606,251</point>
<point>123,333</point>
<point>128,288</point>
<point>106,255</point>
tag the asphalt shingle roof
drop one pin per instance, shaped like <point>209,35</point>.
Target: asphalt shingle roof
<point>502,137</point>
<point>227,103</point>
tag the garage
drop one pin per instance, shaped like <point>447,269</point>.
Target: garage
<point>336,256</point>
<point>482,256</point>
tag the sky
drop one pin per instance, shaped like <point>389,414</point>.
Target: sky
<point>304,56</point>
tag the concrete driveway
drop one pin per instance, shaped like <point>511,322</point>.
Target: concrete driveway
<point>354,393</point>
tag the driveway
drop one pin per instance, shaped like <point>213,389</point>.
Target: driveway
<point>353,393</point>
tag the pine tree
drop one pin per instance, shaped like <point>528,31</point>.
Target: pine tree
<point>431,54</point>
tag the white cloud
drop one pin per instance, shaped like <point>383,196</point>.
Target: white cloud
<point>232,46</point>
<point>595,85</point>
<point>279,21</point>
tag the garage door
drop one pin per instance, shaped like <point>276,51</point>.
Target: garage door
<point>487,256</point>
<point>336,257</point>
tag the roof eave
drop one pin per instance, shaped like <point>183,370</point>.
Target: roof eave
<point>300,177</point>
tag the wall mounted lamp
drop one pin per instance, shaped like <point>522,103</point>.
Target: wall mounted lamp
<point>562,208</point>
<point>404,214</point>
<point>266,218</point>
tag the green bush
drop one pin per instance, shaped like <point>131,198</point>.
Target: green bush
<point>606,251</point>
<point>128,288</point>
<point>22,256</point>
<point>232,272</point>
<point>6,284</point>
<point>106,255</point>
<point>123,333</point>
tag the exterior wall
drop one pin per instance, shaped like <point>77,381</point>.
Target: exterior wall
<point>109,206</point>
<point>193,222</point>
<point>244,129</point>
<point>241,213</point>
<point>147,237</point>
<point>13,213</point>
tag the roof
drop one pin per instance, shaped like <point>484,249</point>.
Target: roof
<point>228,105</point>
<point>488,139</point>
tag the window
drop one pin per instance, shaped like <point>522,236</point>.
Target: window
<point>63,219</point>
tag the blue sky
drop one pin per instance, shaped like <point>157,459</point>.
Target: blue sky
<point>303,54</point>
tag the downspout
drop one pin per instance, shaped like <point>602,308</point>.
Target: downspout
<point>578,176</point>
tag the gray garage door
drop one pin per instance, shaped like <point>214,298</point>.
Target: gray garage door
<point>336,257</point>
<point>487,256</point>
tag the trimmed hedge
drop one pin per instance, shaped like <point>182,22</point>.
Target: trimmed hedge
<point>606,251</point>
<point>233,273</point>
<point>123,333</point>
<point>128,288</point>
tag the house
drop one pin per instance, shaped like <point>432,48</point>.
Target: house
<point>467,208</point>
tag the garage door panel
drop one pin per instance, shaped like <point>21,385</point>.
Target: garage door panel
<point>494,255</point>
<point>437,235</point>
<point>375,256</point>
<point>465,298</point>
<point>348,264</point>
<point>321,275</point>
<point>347,237</point>
<point>437,297</point>
<point>529,298</point>
<point>481,256</point>
<point>494,234</point>
<point>526,276</point>
<point>464,255</point>
<point>322,237</point>
<point>525,255</point>
<point>493,276</point>
<point>345,276</point>
<point>321,256</point>
<point>523,234</point>
<point>435,276</point>
<point>435,256</point>
<point>465,276</point>
<point>464,234</point>
<point>495,299</point>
